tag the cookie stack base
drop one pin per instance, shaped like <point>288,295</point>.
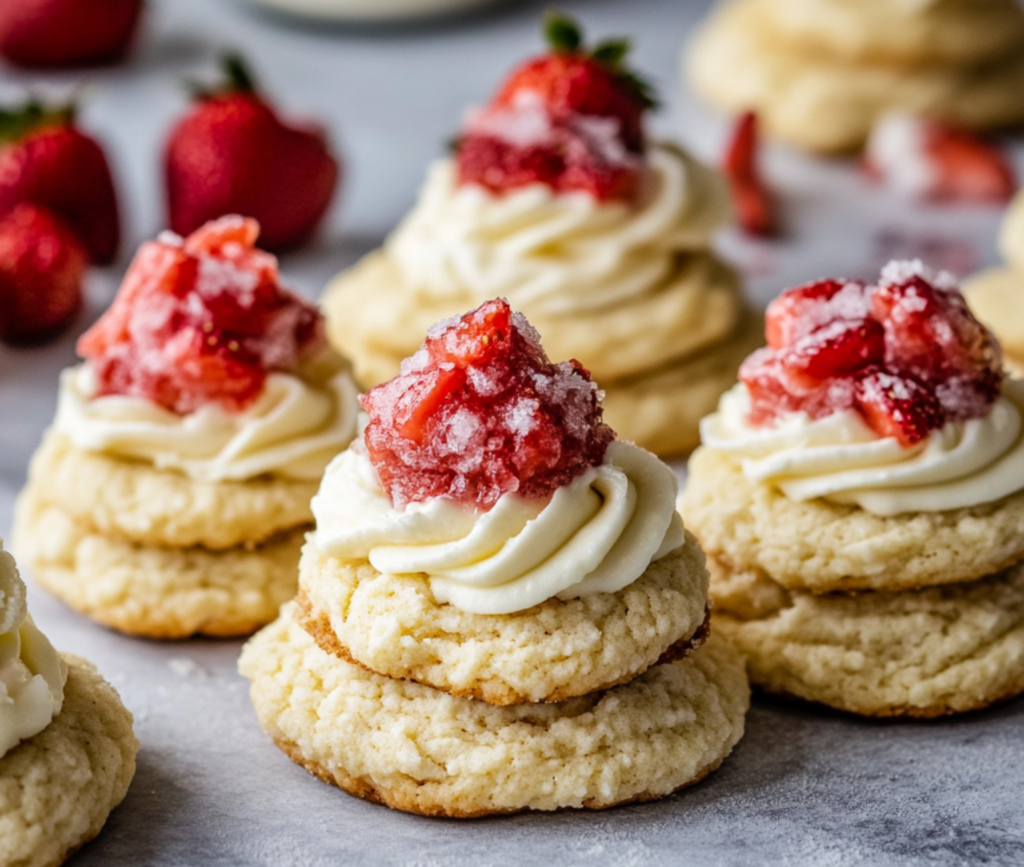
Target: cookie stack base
<point>424,751</point>
<point>57,788</point>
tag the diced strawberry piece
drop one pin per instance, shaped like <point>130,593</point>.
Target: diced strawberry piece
<point>755,209</point>
<point>201,320</point>
<point>898,407</point>
<point>480,411</point>
<point>931,159</point>
<point>836,350</point>
<point>42,265</point>
<point>907,354</point>
<point>799,311</point>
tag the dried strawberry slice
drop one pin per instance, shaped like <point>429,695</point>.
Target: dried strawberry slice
<point>480,411</point>
<point>201,320</point>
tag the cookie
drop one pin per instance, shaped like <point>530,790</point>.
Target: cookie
<point>661,410</point>
<point>917,653</point>
<point>823,547</point>
<point>134,500</point>
<point>57,788</point>
<point>393,626</point>
<point>152,591</point>
<point>996,297</point>
<point>824,104</point>
<point>905,34</point>
<point>378,320</point>
<point>424,751</point>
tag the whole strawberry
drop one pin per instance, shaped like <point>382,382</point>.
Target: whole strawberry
<point>56,33</point>
<point>42,264</point>
<point>572,119</point>
<point>233,155</point>
<point>45,159</point>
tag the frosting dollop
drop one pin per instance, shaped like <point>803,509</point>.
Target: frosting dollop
<point>32,674</point>
<point>293,429</point>
<point>595,535</point>
<point>556,254</point>
<point>840,458</point>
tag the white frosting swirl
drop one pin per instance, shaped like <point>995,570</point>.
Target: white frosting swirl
<point>32,674</point>
<point>293,429</point>
<point>556,254</point>
<point>841,459</point>
<point>595,535</point>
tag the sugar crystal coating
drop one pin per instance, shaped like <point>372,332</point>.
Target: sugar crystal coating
<point>906,353</point>
<point>479,411</point>
<point>201,320</point>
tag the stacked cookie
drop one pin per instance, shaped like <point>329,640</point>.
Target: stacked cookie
<point>67,750</point>
<point>820,73</point>
<point>997,296</point>
<point>870,555</point>
<point>509,651</point>
<point>602,238</point>
<point>171,496</point>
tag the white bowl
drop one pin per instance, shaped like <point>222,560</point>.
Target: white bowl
<point>370,10</point>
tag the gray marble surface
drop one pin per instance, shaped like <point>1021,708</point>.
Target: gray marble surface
<point>803,788</point>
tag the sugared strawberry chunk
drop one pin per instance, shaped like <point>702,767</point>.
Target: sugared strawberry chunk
<point>931,159</point>
<point>571,119</point>
<point>480,411</point>
<point>201,320</point>
<point>906,353</point>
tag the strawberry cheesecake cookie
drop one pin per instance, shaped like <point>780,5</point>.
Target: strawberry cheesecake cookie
<point>997,296</point>
<point>555,199</point>
<point>67,750</point>
<point>860,496</point>
<point>504,587</point>
<point>172,493</point>
<point>820,73</point>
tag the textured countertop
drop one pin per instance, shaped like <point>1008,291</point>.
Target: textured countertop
<point>804,787</point>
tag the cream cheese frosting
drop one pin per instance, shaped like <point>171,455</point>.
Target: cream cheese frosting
<point>557,254</point>
<point>32,674</point>
<point>597,534</point>
<point>292,430</point>
<point>841,459</point>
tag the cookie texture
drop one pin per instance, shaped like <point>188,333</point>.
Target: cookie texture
<point>661,410</point>
<point>904,34</point>
<point>824,102</point>
<point>57,788</point>
<point>135,501</point>
<point>376,319</point>
<point>393,626</point>
<point>918,653</point>
<point>823,547</point>
<point>151,591</point>
<point>424,751</point>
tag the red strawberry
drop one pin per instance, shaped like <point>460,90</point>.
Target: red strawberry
<point>45,159</point>
<point>898,406</point>
<point>932,159</point>
<point>571,119</point>
<point>53,33</point>
<point>41,269</point>
<point>755,209</point>
<point>232,154</point>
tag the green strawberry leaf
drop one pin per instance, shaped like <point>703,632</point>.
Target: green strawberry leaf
<point>611,53</point>
<point>562,32</point>
<point>16,123</point>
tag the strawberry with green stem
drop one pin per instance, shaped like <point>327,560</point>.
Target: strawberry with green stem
<point>572,119</point>
<point>47,160</point>
<point>232,154</point>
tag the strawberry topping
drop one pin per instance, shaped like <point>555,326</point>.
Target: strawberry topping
<point>906,353</point>
<point>480,411</point>
<point>201,320</point>
<point>571,119</point>
<point>931,159</point>
<point>755,209</point>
